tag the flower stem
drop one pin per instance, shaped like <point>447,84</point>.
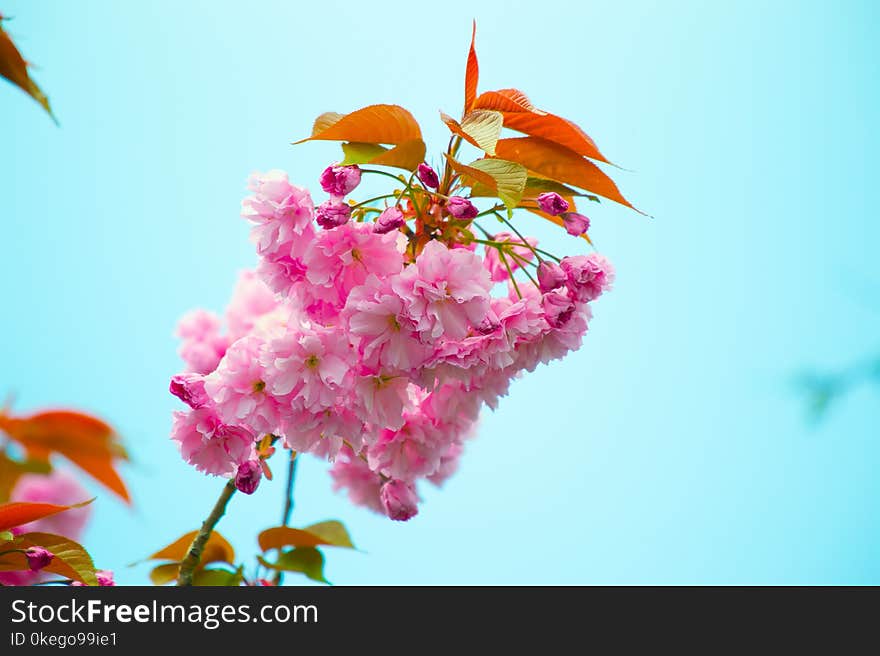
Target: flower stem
<point>288,506</point>
<point>194,553</point>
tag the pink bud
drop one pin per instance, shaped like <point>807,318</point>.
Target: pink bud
<point>248,476</point>
<point>461,208</point>
<point>399,500</point>
<point>332,213</point>
<point>105,578</point>
<point>550,276</point>
<point>190,388</point>
<point>552,203</point>
<point>38,558</point>
<point>339,180</point>
<point>558,308</point>
<point>576,224</point>
<point>390,219</point>
<point>428,176</point>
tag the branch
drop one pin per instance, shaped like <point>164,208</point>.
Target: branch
<point>288,505</point>
<point>194,554</point>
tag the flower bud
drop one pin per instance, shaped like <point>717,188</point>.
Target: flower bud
<point>332,213</point>
<point>248,476</point>
<point>390,219</point>
<point>190,388</point>
<point>575,224</point>
<point>38,558</point>
<point>339,180</point>
<point>550,276</point>
<point>552,203</point>
<point>428,176</point>
<point>399,500</point>
<point>558,308</point>
<point>461,208</point>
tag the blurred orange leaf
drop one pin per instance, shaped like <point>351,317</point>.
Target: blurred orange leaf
<point>87,441</point>
<point>19,513</point>
<point>217,549</point>
<point>471,74</point>
<point>14,68</point>
<point>331,533</point>
<point>70,560</point>
<point>550,160</point>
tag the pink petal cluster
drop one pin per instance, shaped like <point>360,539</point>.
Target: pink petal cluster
<point>345,345</point>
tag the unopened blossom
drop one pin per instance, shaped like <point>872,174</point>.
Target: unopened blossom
<point>399,500</point>
<point>575,224</point>
<point>390,219</point>
<point>552,203</point>
<point>38,558</point>
<point>550,276</point>
<point>332,213</point>
<point>248,476</point>
<point>104,576</point>
<point>338,180</point>
<point>461,208</point>
<point>428,176</point>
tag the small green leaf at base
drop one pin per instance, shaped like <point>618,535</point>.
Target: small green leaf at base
<point>305,560</point>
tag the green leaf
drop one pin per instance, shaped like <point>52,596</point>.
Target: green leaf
<point>6,536</point>
<point>331,532</point>
<point>481,127</point>
<point>218,578</point>
<point>306,560</point>
<point>509,179</point>
<point>71,559</point>
<point>162,574</point>
<point>357,152</point>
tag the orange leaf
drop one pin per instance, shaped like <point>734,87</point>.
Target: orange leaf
<point>217,549</point>
<point>407,155</point>
<point>522,116</point>
<point>471,74</point>
<point>330,533</point>
<point>14,68</point>
<point>506,100</point>
<point>387,124</point>
<point>555,129</point>
<point>85,440</point>
<point>20,513</point>
<point>561,164</point>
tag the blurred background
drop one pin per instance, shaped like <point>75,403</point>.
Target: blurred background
<point>675,447</point>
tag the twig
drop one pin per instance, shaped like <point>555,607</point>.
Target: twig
<point>194,553</point>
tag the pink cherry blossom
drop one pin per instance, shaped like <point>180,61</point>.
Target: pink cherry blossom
<point>58,487</point>
<point>445,291</point>
<point>308,368</point>
<point>238,390</point>
<point>201,345</point>
<point>208,444</point>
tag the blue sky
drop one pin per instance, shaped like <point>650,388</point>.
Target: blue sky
<point>673,448</point>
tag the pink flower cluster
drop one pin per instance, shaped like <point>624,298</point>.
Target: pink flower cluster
<point>346,346</point>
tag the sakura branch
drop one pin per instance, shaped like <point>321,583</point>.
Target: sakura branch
<point>375,327</point>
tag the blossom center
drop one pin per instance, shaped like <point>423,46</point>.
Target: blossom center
<point>312,362</point>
